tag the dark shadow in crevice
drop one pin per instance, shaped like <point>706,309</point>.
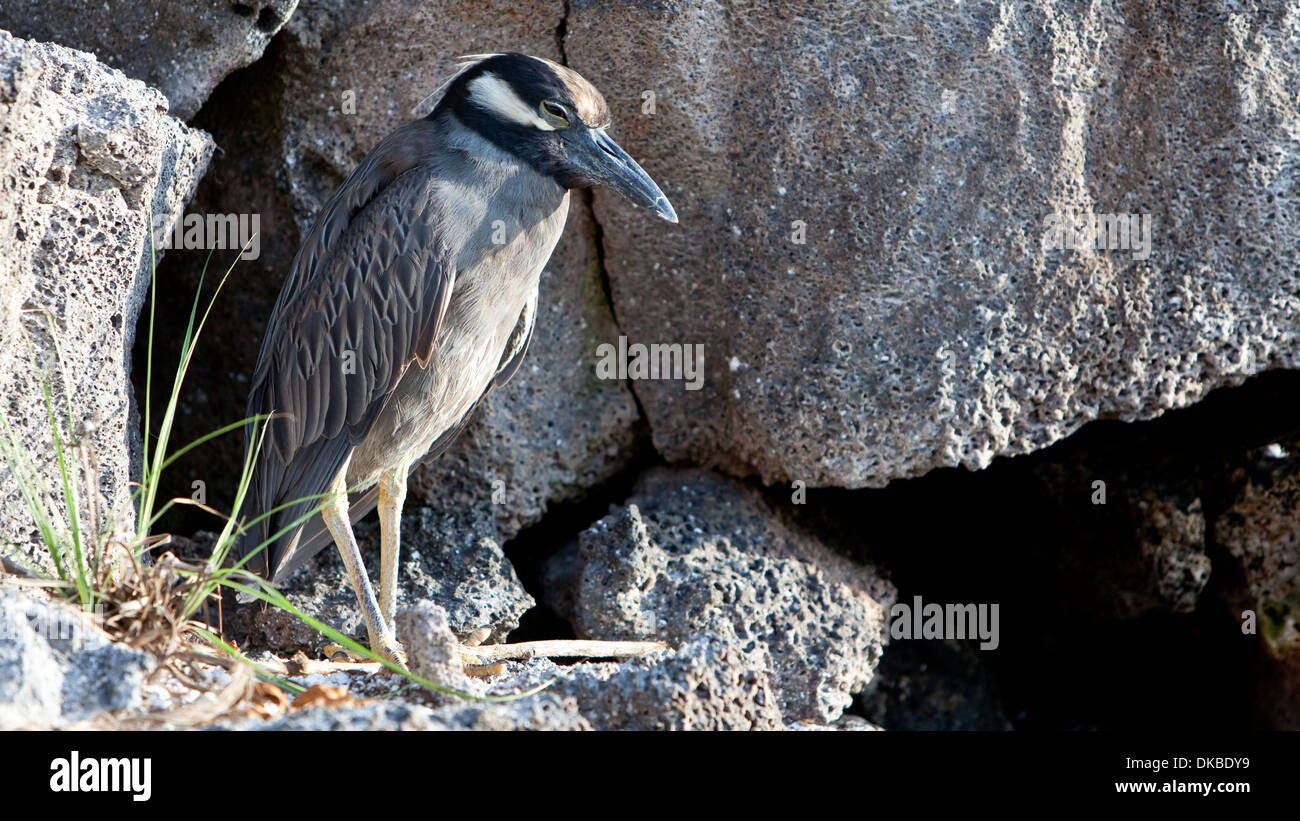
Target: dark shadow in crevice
<point>529,551</point>
<point>1087,639</point>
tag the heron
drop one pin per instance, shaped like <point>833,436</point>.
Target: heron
<point>412,296</point>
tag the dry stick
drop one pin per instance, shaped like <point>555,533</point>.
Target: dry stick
<point>565,649</point>
<point>302,666</point>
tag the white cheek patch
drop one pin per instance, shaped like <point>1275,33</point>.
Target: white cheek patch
<point>493,94</point>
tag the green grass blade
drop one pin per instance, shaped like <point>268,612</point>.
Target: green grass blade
<point>26,477</point>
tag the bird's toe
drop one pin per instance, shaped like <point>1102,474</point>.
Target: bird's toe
<point>393,652</point>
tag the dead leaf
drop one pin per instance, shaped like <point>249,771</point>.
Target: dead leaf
<point>265,701</point>
<point>323,695</point>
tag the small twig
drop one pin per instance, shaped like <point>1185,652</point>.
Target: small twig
<point>21,581</point>
<point>566,649</point>
<point>300,665</point>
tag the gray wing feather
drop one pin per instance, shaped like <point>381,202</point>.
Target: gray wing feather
<point>316,537</point>
<point>364,299</point>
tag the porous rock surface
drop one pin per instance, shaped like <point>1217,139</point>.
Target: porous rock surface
<point>707,683</point>
<point>87,158</point>
<point>694,553</point>
<point>183,48</point>
<point>57,668</point>
<point>873,184</point>
<point>540,712</point>
<point>1150,518</point>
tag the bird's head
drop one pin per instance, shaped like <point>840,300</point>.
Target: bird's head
<point>549,116</point>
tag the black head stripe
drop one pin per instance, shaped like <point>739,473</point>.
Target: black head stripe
<point>532,80</point>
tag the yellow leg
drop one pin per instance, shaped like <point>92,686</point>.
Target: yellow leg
<point>392,495</point>
<point>383,639</point>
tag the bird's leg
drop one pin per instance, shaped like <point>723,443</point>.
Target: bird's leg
<point>383,639</point>
<point>392,495</point>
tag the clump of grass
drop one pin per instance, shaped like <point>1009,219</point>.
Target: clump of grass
<point>104,564</point>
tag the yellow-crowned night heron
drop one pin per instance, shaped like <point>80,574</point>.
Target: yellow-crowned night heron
<point>412,295</point>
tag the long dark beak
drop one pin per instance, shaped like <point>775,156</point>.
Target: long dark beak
<point>600,158</point>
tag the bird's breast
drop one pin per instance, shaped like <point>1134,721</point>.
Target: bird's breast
<point>500,253</point>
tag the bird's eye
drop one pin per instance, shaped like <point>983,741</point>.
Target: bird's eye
<point>555,113</point>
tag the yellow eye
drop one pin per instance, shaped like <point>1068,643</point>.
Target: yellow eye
<point>557,114</point>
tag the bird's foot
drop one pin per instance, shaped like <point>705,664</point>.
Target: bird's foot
<point>337,652</point>
<point>389,650</point>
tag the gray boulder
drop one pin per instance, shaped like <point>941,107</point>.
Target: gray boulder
<point>88,158</point>
<point>432,649</point>
<point>191,44</point>
<point>693,553</point>
<point>865,193</point>
<point>57,668</point>
<point>706,683</point>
